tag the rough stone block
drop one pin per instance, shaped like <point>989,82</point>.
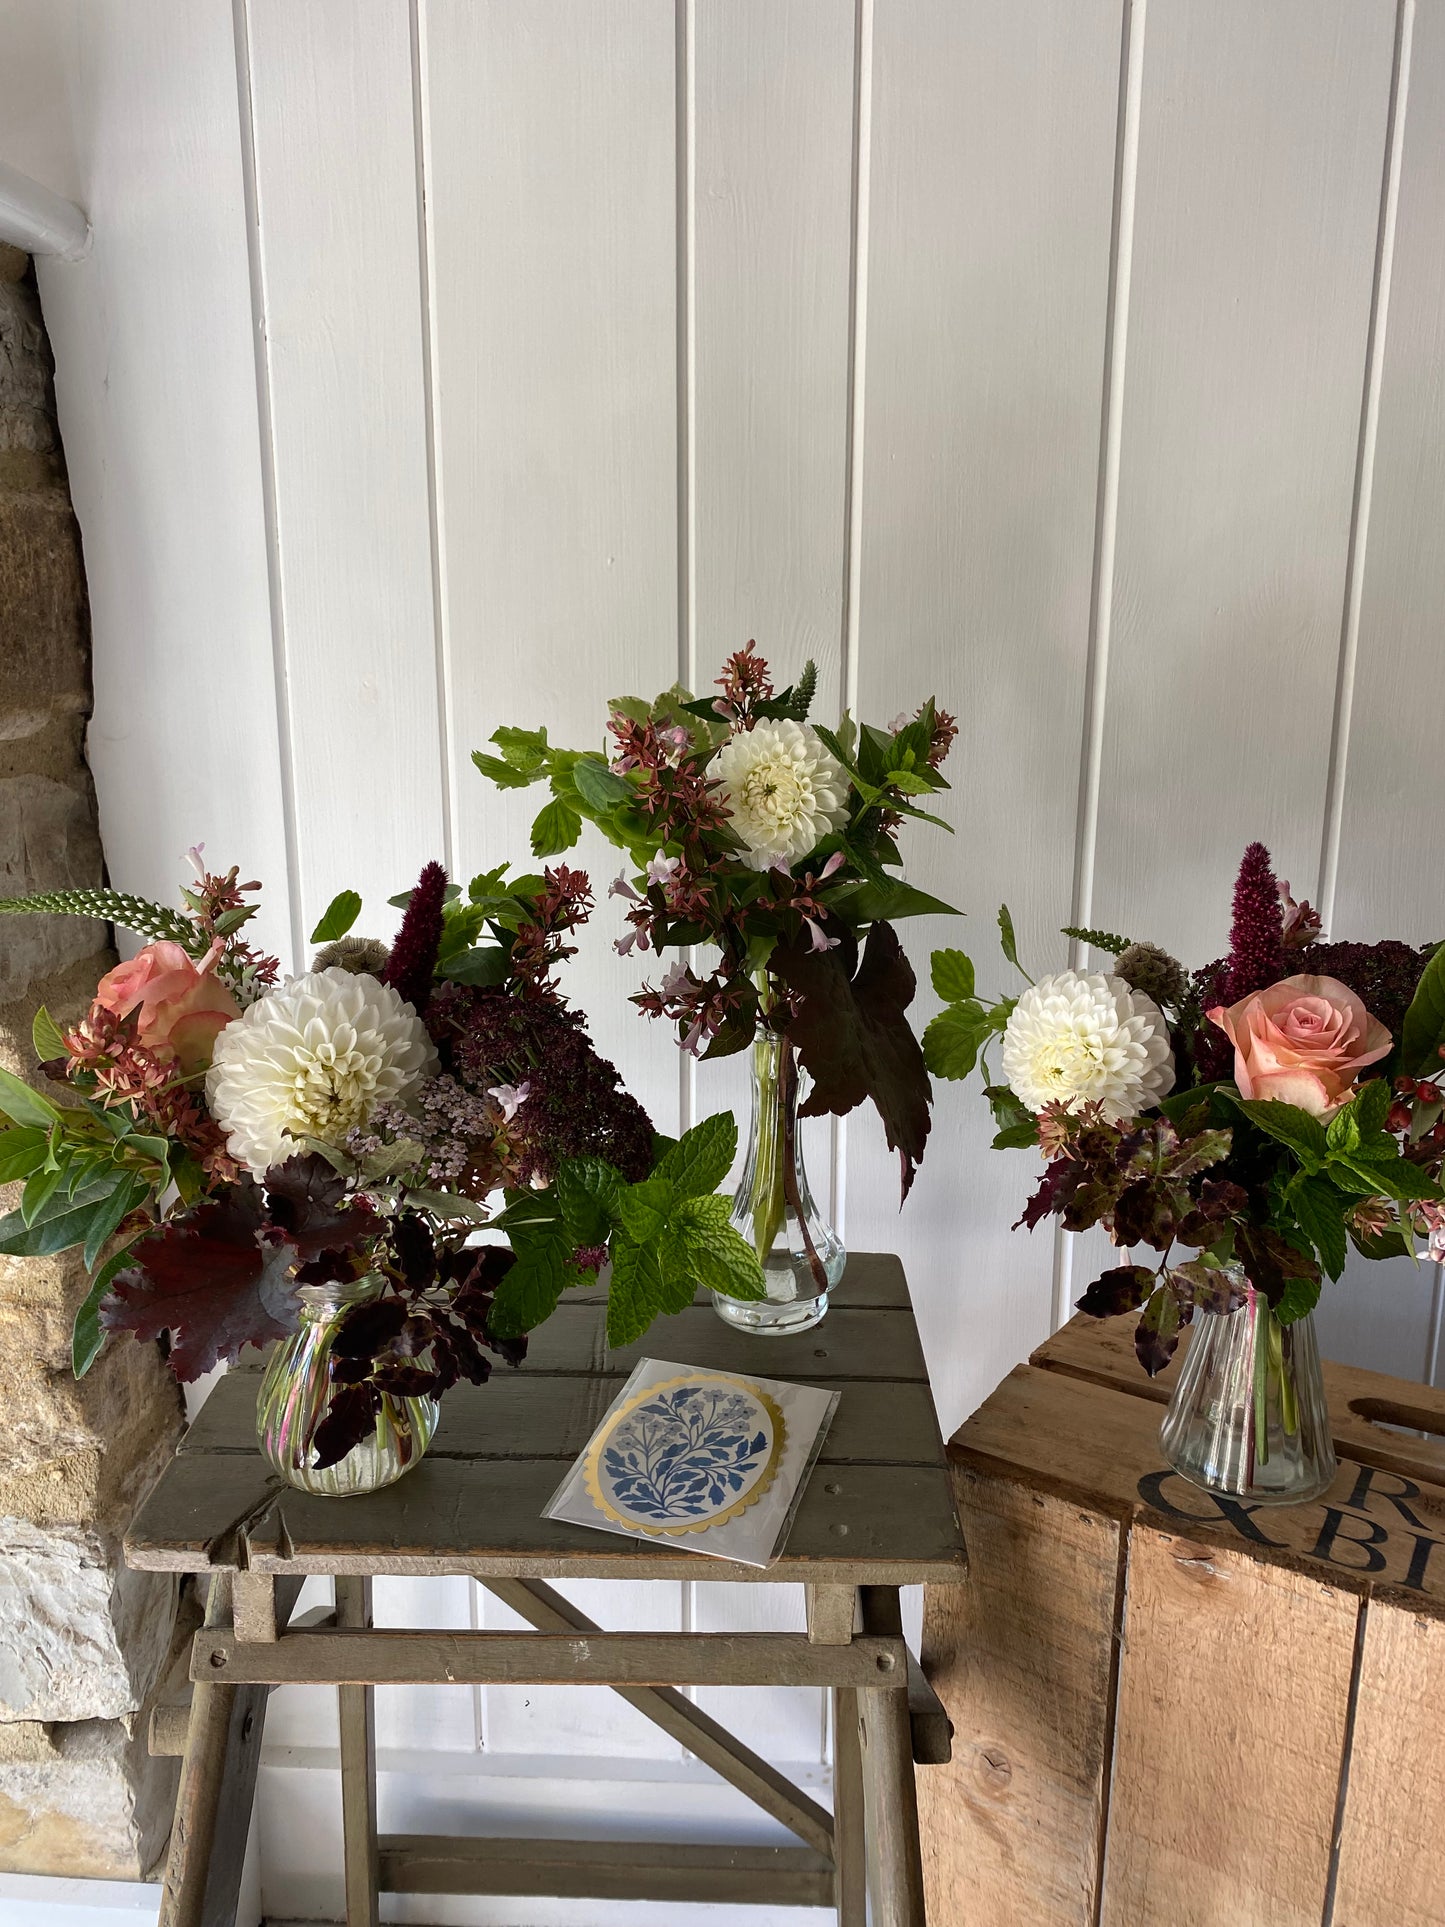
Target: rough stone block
<point>48,841</point>
<point>81,1637</point>
<point>44,614</point>
<point>49,1413</point>
<point>84,1800</point>
<point>27,403</point>
<point>66,996</point>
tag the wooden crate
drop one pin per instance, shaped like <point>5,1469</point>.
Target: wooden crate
<point>1173,1710</point>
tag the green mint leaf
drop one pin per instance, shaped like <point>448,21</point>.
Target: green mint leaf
<point>557,828</point>
<point>1319,1210</point>
<point>702,1158</point>
<point>587,1193</point>
<point>1300,1296</point>
<point>1423,1031</point>
<point>524,749</point>
<point>600,787</point>
<point>339,916</point>
<point>952,974</point>
<point>636,1295</point>
<point>505,775</point>
<point>951,1040</point>
<point>643,1208</point>
<point>701,1244</point>
<point>1289,1125</point>
<point>528,1295</point>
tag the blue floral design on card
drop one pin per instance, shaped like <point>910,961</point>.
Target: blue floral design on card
<point>687,1454</point>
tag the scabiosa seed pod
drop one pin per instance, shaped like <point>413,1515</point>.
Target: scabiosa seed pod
<point>1144,966</point>
<point>362,956</point>
<point>413,958</point>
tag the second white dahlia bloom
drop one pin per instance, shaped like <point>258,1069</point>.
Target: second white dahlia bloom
<point>1075,1040</point>
<point>312,1059</point>
<point>785,790</point>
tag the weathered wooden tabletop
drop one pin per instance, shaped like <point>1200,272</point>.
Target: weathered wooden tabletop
<point>878,1509</point>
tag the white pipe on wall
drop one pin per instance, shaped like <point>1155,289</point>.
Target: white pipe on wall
<point>36,219</point>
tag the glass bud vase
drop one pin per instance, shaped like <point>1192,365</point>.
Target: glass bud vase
<point>801,1254</point>
<point>295,1392</point>
<point>1248,1416</point>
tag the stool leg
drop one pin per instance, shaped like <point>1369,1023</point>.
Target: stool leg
<point>358,1768</point>
<point>892,1794</point>
<point>198,1798</point>
<point>850,1844</point>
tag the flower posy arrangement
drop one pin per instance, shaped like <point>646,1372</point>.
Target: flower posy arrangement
<point>1248,1123</point>
<point>227,1140</point>
<point>776,841</point>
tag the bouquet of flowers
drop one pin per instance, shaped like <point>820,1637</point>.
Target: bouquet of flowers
<point>1247,1122</point>
<point>231,1141</point>
<point>774,841</point>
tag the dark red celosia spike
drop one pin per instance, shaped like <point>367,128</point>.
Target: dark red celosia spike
<point>413,960</point>
<point>1256,936</point>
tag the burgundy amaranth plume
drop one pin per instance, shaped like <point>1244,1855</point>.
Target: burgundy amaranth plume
<point>1256,935</point>
<point>413,959</point>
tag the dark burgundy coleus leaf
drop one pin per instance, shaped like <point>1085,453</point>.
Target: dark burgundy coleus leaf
<point>350,1418</point>
<point>310,1208</point>
<point>1056,1187</point>
<point>1216,1204</point>
<point>1123,1289</point>
<point>1270,1261</point>
<point>367,1329</point>
<point>852,1035</point>
<point>1156,1337</point>
<point>1147,1213</point>
<point>415,1248</point>
<point>209,1279</point>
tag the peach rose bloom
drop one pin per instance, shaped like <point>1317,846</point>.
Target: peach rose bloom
<point>182,1005</point>
<point>1302,1042</point>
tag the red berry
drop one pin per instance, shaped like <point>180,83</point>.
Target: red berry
<point>1399,1118</point>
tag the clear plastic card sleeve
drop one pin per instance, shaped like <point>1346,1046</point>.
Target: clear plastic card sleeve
<point>698,1460</point>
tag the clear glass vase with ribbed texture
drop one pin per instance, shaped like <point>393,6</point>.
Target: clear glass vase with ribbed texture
<point>293,1401</point>
<point>773,1207</point>
<point>1248,1416</point>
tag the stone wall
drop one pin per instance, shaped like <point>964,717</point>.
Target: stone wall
<point>82,1641</point>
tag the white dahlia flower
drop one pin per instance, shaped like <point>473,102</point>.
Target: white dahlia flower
<point>784,789</point>
<point>312,1059</point>
<point>1075,1040</point>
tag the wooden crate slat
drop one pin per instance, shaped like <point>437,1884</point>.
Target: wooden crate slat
<point>1390,1861</point>
<point>1023,1656</point>
<point>1224,1789</point>
<point>1078,1436</point>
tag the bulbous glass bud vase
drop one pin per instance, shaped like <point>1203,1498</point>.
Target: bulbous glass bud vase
<point>773,1208</point>
<point>1248,1416</point>
<point>294,1396</point>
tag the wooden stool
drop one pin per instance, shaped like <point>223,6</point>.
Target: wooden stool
<point>878,1514</point>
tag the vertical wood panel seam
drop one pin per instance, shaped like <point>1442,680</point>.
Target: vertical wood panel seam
<point>266,424</point>
<point>1352,1705</point>
<point>853,446</point>
<point>1365,464</point>
<point>1117,1648</point>
<point>441,628</point>
<point>685,135</point>
<point>1106,512</point>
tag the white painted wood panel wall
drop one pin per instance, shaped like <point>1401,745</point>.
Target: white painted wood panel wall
<point>446,362</point>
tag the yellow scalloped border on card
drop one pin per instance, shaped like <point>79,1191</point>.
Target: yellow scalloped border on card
<point>592,1479</point>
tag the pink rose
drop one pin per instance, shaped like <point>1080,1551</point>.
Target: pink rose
<point>1302,1042</point>
<point>182,1006</point>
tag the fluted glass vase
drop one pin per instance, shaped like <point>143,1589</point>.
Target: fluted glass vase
<point>773,1208</point>
<point>295,1392</point>
<point>1248,1416</point>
